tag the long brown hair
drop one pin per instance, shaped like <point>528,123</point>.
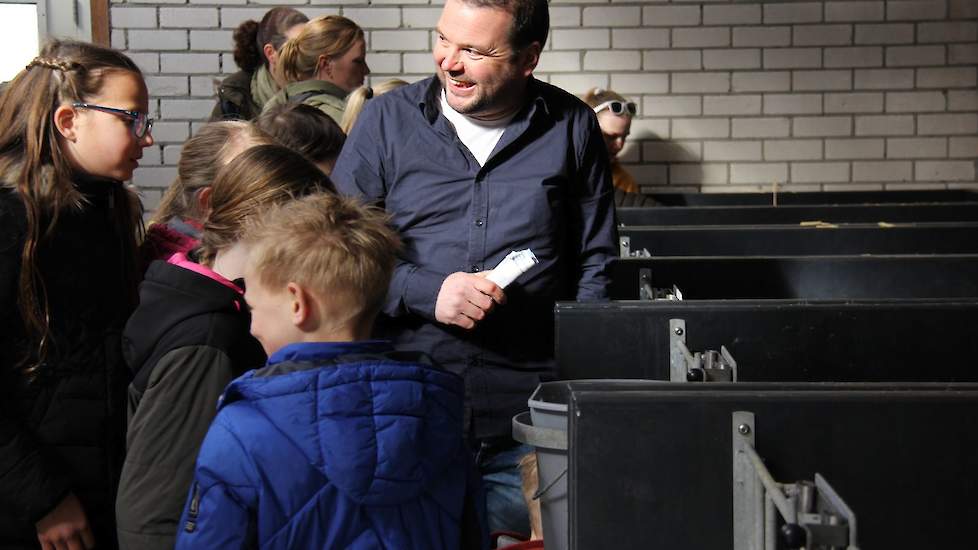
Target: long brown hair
<point>33,164</point>
<point>200,159</point>
<point>329,35</point>
<point>304,129</point>
<point>260,177</point>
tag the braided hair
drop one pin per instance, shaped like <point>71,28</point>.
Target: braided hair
<point>33,165</point>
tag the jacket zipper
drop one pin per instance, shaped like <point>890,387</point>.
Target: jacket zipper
<point>191,524</point>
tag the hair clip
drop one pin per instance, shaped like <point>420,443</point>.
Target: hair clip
<point>370,92</point>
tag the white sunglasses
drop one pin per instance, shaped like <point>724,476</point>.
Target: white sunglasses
<point>617,107</point>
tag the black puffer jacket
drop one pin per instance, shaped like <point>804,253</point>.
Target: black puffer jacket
<point>63,431</point>
<point>187,340</point>
<point>234,100</point>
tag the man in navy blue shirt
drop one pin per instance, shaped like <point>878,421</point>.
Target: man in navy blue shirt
<point>473,163</point>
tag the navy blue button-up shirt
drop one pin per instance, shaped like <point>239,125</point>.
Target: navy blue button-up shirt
<point>546,186</point>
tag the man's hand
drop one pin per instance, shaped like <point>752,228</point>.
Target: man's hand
<point>466,298</point>
<point>66,527</point>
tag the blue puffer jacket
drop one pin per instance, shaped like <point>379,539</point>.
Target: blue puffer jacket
<point>337,445</point>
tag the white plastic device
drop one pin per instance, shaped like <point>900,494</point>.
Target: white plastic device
<point>513,265</point>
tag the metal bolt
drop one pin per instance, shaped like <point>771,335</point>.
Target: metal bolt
<point>744,429</point>
<point>679,331</point>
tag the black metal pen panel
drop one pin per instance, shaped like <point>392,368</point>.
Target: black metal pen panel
<point>772,340</point>
<point>653,469</point>
<point>821,197</point>
<point>797,213</point>
<point>809,277</point>
<point>796,240</point>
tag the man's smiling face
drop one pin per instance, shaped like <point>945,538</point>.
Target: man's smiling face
<point>482,75</point>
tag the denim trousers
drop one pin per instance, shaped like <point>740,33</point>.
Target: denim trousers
<point>498,463</point>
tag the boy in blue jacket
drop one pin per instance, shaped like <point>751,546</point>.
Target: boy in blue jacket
<point>339,441</point>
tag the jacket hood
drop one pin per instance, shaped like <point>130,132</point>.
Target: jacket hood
<point>168,296</point>
<point>381,425</point>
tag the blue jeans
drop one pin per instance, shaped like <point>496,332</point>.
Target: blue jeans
<point>498,464</point>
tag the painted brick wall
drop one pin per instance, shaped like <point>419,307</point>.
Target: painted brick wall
<point>733,95</point>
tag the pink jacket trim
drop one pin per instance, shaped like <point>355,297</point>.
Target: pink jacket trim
<point>180,259</point>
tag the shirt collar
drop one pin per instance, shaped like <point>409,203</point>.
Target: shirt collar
<point>430,99</point>
<point>324,351</point>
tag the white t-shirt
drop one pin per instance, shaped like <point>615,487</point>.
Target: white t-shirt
<point>479,136</point>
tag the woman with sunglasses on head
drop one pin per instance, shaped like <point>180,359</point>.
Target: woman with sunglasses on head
<point>615,118</point>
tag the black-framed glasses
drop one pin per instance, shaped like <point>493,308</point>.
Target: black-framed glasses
<point>139,123</point>
<point>618,107</point>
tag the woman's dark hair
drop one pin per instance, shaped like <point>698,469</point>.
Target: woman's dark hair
<point>304,129</point>
<point>251,36</point>
<point>531,19</point>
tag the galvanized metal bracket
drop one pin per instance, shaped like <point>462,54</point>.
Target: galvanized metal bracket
<point>748,495</point>
<point>705,366</point>
<point>814,515</point>
<point>645,290</point>
<point>677,344</point>
<point>624,246</point>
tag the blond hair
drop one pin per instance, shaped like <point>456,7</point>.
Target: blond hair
<point>340,250</point>
<point>260,177</point>
<point>330,35</point>
<point>597,96</point>
<point>200,159</point>
<point>357,99</point>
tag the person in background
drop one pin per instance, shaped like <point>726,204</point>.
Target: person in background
<point>473,163</point>
<point>243,94</point>
<point>73,126</point>
<point>358,98</point>
<point>306,130</point>
<point>189,338</point>
<point>615,118</point>
<point>339,441</point>
<point>322,65</point>
<point>175,226</point>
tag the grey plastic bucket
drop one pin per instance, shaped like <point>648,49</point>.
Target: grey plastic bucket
<point>545,428</point>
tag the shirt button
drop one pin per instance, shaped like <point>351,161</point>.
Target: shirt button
<point>475,268</point>
<point>479,222</point>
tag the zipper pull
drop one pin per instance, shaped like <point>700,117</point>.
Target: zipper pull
<point>191,524</point>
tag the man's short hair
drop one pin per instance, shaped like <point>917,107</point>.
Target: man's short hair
<point>335,247</point>
<point>531,19</point>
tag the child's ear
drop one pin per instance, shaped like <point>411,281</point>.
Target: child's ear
<point>204,199</point>
<point>303,313</point>
<point>64,120</point>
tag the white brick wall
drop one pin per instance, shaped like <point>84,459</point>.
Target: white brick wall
<point>733,95</point>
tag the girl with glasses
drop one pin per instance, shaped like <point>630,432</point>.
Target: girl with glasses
<point>73,126</point>
<point>615,114</point>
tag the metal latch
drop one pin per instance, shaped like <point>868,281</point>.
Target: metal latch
<point>647,292</point>
<point>814,516</point>
<point>625,249</point>
<point>705,366</point>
